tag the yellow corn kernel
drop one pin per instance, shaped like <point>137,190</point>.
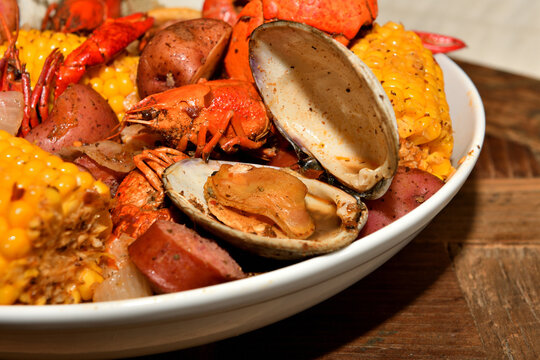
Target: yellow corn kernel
<point>15,243</point>
<point>5,198</point>
<point>117,104</point>
<point>89,279</point>
<point>45,207</point>
<point>52,197</point>
<point>3,264</point>
<point>65,184</point>
<point>115,82</point>
<point>20,213</point>
<point>414,84</point>
<point>68,168</point>
<point>84,180</point>
<point>33,167</point>
<point>8,294</point>
<point>101,188</point>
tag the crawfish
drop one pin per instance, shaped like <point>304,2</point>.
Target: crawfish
<point>140,199</point>
<point>14,77</point>
<point>80,15</point>
<point>138,203</point>
<point>102,45</point>
<point>228,112</point>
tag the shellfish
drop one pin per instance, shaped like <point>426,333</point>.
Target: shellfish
<point>334,111</point>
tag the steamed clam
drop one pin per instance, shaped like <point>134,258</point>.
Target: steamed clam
<point>333,110</point>
<point>337,215</point>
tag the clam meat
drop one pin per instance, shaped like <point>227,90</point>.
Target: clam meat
<point>336,215</point>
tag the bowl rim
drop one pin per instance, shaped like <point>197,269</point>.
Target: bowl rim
<point>273,284</point>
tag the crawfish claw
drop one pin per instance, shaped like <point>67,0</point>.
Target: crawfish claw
<point>438,43</point>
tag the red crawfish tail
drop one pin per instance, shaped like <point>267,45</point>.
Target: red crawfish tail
<point>79,15</point>
<point>340,19</point>
<point>438,43</point>
<point>104,43</point>
<point>225,10</point>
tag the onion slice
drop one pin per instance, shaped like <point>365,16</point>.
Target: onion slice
<point>11,111</point>
<point>107,153</point>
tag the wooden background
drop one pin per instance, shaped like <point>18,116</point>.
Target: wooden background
<point>468,287</point>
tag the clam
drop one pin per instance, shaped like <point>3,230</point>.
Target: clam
<point>334,111</point>
<point>337,215</point>
<point>327,103</point>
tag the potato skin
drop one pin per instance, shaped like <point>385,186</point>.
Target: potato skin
<point>8,9</point>
<point>409,189</point>
<point>80,114</point>
<point>181,54</point>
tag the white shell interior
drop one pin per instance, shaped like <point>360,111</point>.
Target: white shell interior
<point>327,102</point>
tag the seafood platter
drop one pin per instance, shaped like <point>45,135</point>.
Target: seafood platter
<point>178,173</point>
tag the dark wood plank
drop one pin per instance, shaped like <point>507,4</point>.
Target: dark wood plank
<point>488,211</point>
<point>512,105</point>
<point>501,287</point>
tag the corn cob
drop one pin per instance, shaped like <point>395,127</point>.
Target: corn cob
<point>414,84</point>
<point>54,219</point>
<point>114,81</point>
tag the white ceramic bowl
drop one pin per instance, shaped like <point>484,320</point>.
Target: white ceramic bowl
<point>174,321</point>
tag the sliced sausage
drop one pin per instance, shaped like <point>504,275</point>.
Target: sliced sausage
<point>176,258</point>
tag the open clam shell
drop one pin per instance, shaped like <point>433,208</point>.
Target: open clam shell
<point>328,103</point>
<point>338,216</point>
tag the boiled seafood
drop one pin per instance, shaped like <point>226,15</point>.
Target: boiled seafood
<point>338,217</point>
<point>332,109</point>
<point>328,104</point>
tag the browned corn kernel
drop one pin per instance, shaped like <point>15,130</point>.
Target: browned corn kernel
<point>53,223</point>
<point>414,83</point>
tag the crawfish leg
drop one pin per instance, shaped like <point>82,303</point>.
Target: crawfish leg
<point>152,163</point>
<point>240,138</point>
<point>47,16</point>
<point>224,122</point>
<point>43,85</point>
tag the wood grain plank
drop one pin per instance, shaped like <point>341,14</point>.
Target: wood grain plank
<point>501,286</point>
<point>512,105</point>
<point>488,211</point>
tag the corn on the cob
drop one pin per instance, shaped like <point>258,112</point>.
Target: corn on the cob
<point>115,81</point>
<point>54,219</point>
<point>414,83</point>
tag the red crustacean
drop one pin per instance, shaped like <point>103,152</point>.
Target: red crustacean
<point>341,19</point>
<point>14,77</point>
<point>103,44</point>
<point>228,112</point>
<point>139,200</point>
<point>225,10</point>
<point>80,15</point>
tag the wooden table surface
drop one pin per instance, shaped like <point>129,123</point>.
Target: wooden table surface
<point>468,287</point>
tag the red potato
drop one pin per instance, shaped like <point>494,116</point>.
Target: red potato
<point>8,9</point>
<point>176,258</point>
<point>409,189</point>
<point>80,114</point>
<point>181,54</point>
